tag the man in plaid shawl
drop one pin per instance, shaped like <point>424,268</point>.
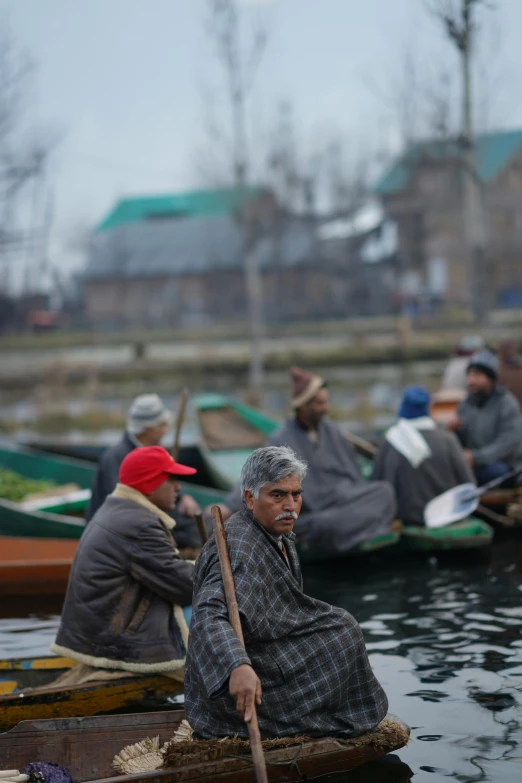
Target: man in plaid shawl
<point>305,663</point>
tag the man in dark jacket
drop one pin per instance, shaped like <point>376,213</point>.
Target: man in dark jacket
<point>419,459</point>
<point>489,421</point>
<point>304,662</point>
<point>128,583</point>
<point>147,424</point>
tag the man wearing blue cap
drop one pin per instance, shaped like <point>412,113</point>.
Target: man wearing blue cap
<point>420,460</point>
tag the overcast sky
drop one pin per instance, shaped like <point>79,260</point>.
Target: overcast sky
<point>123,82</point>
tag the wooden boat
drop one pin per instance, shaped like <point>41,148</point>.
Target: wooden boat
<point>444,404</point>
<point>32,566</point>
<point>229,432</point>
<point>26,692</point>
<point>383,541</point>
<point>86,747</point>
<point>90,449</point>
<point>471,533</point>
<point>56,521</point>
<point>53,519</point>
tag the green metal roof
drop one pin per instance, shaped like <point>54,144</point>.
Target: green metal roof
<point>493,153</point>
<point>199,203</point>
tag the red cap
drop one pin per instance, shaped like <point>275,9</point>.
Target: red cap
<point>146,468</point>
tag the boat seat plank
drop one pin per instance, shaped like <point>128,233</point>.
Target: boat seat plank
<point>225,429</point>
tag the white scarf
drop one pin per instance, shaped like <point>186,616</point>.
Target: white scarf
<point>408,441</point>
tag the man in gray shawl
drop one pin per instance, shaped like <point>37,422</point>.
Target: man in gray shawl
<point>340,509</point>
<point>489,422</point>
<point>305,664</point>
<point>418,458</point>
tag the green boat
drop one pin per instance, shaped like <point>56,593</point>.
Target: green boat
<point>53,518</point>
<point>229,432</point>
<point>471,533</point>
<point>383,541</point>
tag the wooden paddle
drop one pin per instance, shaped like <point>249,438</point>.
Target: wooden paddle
<point>179,423</point>
<point>233,615</point>
<point>460,502</point>
<point>366,448</point>
<point>202,528</point>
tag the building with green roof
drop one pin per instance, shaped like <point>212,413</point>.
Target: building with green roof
<point>193,204</point>
<point>422,192</point>
<point>179,259</point>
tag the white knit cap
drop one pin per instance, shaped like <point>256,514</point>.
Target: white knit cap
<point>146,411</point>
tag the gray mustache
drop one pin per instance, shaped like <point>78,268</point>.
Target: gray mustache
<point>286,515</point>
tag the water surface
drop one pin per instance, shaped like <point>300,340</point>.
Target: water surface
<point>445,640</point>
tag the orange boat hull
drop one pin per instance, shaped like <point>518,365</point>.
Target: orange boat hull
<point>30,566</point>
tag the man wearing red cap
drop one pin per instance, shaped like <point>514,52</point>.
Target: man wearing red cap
<point>128,582</point>
<point>147,424</point>
<point>340,509</point>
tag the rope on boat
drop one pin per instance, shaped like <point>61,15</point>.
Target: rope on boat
<point>147,755</point>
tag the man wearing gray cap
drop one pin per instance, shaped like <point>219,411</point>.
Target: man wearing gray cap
<point>489,423</point>
<point>147,424</point>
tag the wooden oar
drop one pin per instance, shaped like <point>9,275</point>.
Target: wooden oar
<point>495,517</point>
<point>366,448</point>
<point>202,528</point>
<point>233,615</point>
<point>179,423</point>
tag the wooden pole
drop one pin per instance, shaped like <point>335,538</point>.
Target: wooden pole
<point>202,528</point>
<point>495,517</point>
<point>473,209</point>
<point>179,422</point>
<point>366,448</point>
<point>233,615</point>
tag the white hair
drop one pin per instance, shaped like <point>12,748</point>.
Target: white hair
<point>269,465</point>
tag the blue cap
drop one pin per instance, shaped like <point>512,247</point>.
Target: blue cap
<point>415,403</point>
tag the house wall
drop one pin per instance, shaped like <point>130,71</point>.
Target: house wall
<point>164,301</point>
<point>211,297</point>
<point>431,226</point>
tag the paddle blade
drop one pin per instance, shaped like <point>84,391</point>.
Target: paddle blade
<point>452,506</point>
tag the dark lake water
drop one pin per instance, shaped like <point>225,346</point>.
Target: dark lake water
<point>445,641</point>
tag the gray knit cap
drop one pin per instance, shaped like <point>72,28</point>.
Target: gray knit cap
<point>147,410</point>
<point>485,361</point>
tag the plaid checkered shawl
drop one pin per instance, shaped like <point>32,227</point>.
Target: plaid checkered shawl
<point>309,656</point>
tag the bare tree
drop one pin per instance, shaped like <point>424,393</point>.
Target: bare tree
<point>439,102</point>
<point>402,93</point>
<point>240,63</point>
<point>459,21</point>
<point>22,159</point>
<point>282,160</point>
